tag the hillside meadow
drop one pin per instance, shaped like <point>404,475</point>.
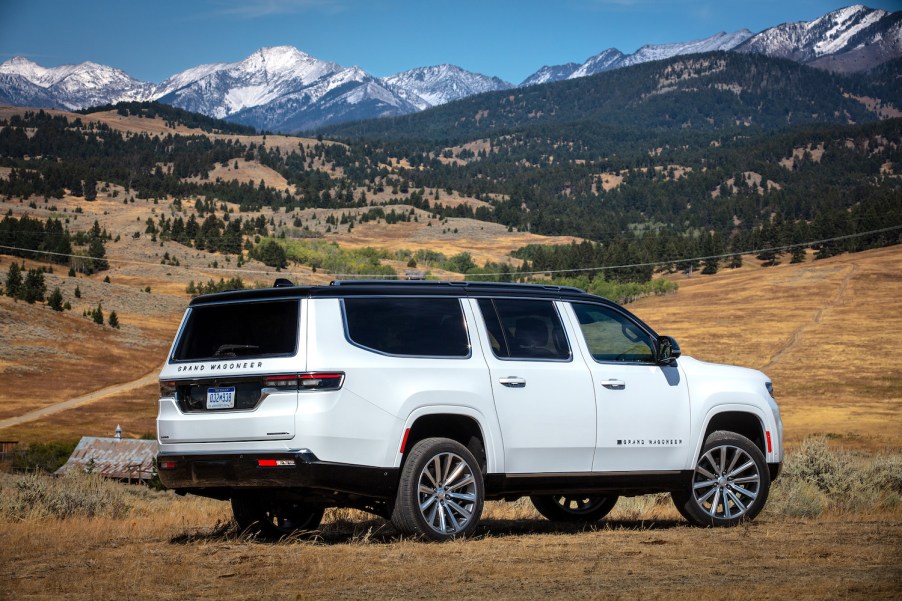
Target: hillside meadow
<point>823,330</point>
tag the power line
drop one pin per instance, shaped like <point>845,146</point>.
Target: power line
<point>130,261</point>
<point>518,273</point>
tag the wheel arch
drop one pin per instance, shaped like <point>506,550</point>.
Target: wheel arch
<point>454,423</point>
<point>739,419</point>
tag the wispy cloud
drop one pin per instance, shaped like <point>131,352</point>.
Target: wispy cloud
<point>252,9</point>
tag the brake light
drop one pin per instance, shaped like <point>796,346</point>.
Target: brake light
<point>167,388</point>
<point>167,465</point>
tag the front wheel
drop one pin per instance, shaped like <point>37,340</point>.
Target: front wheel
<point>274,519</point>
<point>729,485</point>
<point>441,491</point>
<point>574,508</point>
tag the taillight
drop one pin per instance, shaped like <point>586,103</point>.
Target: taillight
<point>331,380</point>
<point>167,389</point>
<point>167,465</point>
<point>284,382</point>
<point>322,381</point>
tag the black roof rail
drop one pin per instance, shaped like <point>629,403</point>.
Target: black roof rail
<point>457,283</point>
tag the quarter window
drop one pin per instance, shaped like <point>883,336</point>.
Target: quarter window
<point>422,327</point>
<point>613,337</point>
<point>524,329</point>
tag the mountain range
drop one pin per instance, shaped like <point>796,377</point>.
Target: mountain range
<point>285,89</point>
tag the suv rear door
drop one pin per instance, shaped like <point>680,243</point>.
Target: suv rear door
<point>543,397</point>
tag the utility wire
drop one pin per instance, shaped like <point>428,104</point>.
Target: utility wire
<point>517,273</point>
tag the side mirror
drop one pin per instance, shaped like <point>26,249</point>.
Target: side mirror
<point>668,350</point>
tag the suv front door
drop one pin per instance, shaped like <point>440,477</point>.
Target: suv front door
<point>543,394</point>
<point>643,408</point>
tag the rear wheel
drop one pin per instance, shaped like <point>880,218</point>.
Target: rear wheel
<point>574,508</point>
<point>274,519</point>
<point>729,485</point>
<point>441,491</point>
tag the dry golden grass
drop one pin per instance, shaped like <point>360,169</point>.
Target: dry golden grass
<point>169,548</point>
<point>251,172</point>
<point>484,241</point>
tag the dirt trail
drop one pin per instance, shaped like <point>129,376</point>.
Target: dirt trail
<point>84,399</point>
<point>818,317</point>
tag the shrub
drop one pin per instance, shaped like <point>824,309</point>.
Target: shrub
<point>74,495</point>
<point>817,478</point>
<point>46,456</point>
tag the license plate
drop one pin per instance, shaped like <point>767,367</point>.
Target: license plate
<point>221,398</point>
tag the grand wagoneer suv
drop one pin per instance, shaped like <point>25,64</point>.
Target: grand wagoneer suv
<point>418,401</point>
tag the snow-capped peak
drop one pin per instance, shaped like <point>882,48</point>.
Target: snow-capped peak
<point>841,25</point>
<point>835,33</point>
<point>431,86</point>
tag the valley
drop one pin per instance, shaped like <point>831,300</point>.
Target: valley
<point>741,192</point>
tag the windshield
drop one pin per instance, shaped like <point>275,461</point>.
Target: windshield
<point>239,330</point>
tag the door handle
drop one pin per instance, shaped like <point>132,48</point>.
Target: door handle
<point>512,382</point>
<point>614,384</point>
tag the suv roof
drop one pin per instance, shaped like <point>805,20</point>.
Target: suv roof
<point>345,288</point>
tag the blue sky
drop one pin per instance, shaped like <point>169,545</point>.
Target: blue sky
<point>152,40</point>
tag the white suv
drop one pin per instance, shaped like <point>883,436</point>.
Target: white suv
<point>419,400</point>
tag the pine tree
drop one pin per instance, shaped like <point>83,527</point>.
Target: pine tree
<point>77,292</point>
<point>113,320</point>
<point>13,280</point>
<point>34,287</point>
<point>97,314</point>
<point>55,300</point>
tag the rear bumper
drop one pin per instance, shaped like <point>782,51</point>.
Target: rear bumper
<point>206,474</point>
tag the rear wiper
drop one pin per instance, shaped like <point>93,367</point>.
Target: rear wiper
<point>232,349</point>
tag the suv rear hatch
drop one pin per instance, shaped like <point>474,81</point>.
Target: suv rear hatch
<point>233,373</point>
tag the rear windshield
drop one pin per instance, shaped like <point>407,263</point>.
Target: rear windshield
<point>239,330</point>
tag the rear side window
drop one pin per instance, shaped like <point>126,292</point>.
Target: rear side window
<point>239,330</point>
<point>417,327</point>
<point>524,329</point>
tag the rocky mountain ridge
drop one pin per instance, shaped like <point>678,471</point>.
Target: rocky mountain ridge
<point>284,89</point>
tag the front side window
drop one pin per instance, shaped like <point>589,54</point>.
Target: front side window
<point>613,337</point>
<point>418,327</point>
<point>524,329</point>
<point>254,329</point>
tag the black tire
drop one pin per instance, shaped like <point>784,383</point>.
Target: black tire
<point>574,507</point>
<point>274,519</point>
<point>730,483</point>
<point>441,491</point>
